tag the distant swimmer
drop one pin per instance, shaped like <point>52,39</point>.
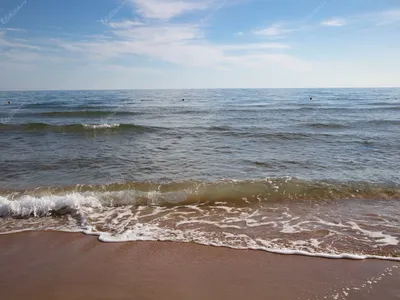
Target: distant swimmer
<point>310,98</point>
<point>9,102</point>
<point>183,99</point>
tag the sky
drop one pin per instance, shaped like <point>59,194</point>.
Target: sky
<point>158,44</point>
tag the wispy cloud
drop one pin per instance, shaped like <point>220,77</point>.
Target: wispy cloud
<point>379,18</point>
<point>14,43</point>
<point>20,55</point>
<point>15,29</point>
<point>125,24</point>
<point>275,30</point>
<point>386,17</point>
<point>168,9</point>
<point>23,51</point>
<point>334,22</point>
<point>256,46</point>
<point>160,34</point>
<point>156,35</point>
<point>118,68</point>
<point>181,44</point>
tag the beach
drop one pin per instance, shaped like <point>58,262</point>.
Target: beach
<point>54,265</point>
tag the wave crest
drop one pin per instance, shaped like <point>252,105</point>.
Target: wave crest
<point>42,201</point>
<point>71,127</point>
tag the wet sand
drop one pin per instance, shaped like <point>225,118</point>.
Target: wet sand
<point>52,265</point>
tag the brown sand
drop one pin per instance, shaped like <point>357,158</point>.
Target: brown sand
<point>50,265</point>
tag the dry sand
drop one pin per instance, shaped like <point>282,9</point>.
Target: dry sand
<point>51,265</point>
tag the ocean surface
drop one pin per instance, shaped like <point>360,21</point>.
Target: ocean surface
<point>264,169</point>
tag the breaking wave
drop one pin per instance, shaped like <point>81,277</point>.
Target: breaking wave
<point>41,201</point>
<point>281,215</point>
<point>71,127</point>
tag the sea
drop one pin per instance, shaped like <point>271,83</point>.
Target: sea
<point>293,171</point>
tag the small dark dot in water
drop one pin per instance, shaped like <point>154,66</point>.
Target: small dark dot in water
<point>310,98</point>
<point>183,99</point>
<point>9,102</point>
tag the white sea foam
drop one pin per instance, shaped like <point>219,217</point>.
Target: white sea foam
<point>143,232</point>
<point>41,206</point>
<point>115,217</point>
<point>100,126</point>
<point>378,236</point>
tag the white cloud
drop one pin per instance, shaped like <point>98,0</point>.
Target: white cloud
<point>118,68</point>
<point>256,46</point>
<point>160,39</point>
<point>125,24</point>
<point>15,29</point>
<point>160,34</point>
<point>21,51</point>
<point>275,61</point>
<point>334,22</point>
<point>385,17</point>
<point>183,45</point>
<point>20,56</point>
<point>4,42</point>
<point>168,9</point>
<point>380,18</point>
<point>274,30</point>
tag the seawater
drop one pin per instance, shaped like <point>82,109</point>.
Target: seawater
<point>265,169</point>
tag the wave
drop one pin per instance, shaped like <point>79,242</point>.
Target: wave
<point>345,126</point>
<point>42,201</point>
<point>66,105</point>
<point>383,122</point>
<point>48,104</point>
<point>314,108</point>
<point>250,133</point>
<point>384,103</point>
<point>327,125</point>
<point>85,113</point>
<point>72,127</point>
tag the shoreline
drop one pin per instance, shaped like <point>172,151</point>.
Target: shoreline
<point>284,252</point>
<point>61,265</point>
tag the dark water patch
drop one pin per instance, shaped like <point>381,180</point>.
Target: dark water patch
<point>94,107</point>
<point>261,164</point>
<point>49,104</point>
<point>327,125</point>
<point>304,109</point>
<point>273,164</point>
<point>261,134</point>
<point>384,103</point>
<point>382,122</point>
<point>284,135</point>
<point>73,127</point>
<point>220,128</point>
<point>367,143</point>
<point>381,108</point>
<point>85,113</point>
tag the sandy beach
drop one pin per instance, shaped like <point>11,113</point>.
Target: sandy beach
<point>53,265</point>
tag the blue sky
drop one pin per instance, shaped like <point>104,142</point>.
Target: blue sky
<point>128,44</point>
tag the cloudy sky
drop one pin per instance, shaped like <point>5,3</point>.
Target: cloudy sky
<point>128,44</point>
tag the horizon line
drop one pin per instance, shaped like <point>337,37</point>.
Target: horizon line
<point>170,89</point>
